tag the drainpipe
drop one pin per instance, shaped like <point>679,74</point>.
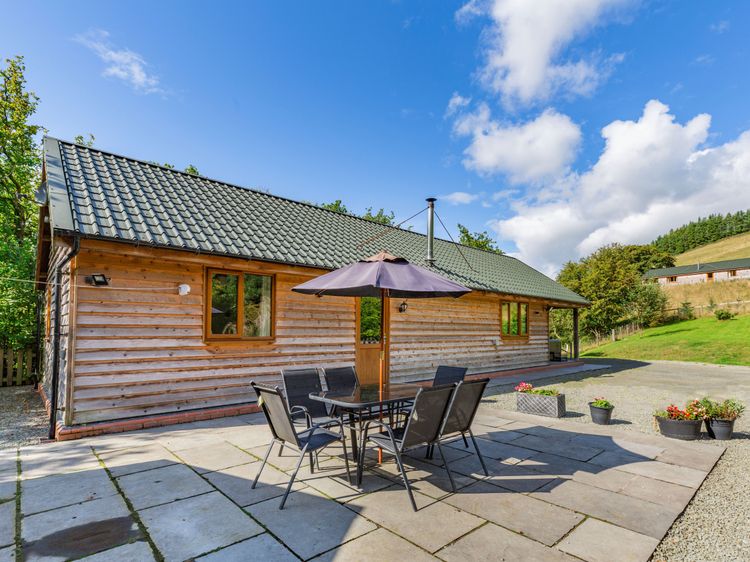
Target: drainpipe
<point>430,259</point>
<point>56,346</point>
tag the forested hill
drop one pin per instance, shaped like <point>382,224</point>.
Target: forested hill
<point>703,231</point>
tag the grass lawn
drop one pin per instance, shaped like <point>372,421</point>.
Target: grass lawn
<point>724,249</point>
<point>705,340</point>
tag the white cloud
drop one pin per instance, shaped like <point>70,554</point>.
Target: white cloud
<point>123,64</point>
<point>653,174</point>
<point>459,198</point>
<point>531,152</point>
<point>719,27</point>
<point>526,41</point>
<point>704,60</point>
<point>456,103</point>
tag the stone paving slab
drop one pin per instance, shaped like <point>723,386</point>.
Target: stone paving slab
<point>675,474</point>
<point>434,525</point>
<point>7,523</point>
<point>511,477</point>
<point>46,460</point>
<point>138,551</point>
<point>50,492</point>
<point>502,451</point>
<point>531,517</point>
<point>214,457</point>
<point>586,473</point>
<point>8,554</point>
<point>310,524</point>
<point>8,473</point>
<point>194,526</point>
<point>127,461</point>
<point>263,547</point>
<point>598,541</point>
<point>494,543</point>
<point>162,485</point>
<point>235,483</point>
<point>377,545</point>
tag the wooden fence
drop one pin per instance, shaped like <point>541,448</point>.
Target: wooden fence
<point>17,366</point>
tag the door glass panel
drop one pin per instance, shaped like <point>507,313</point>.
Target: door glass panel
<point>369,320</point>
<point>257,306</point>
<point>524,318</point>
<point>505,316</point>
<point>224,303</point>
<point>513,319</point>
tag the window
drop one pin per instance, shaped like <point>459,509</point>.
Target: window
<point>733,273</point>
<point>709,276</point>
<point>672,279</point>
<point>239,305</point>
<point>514,319</point>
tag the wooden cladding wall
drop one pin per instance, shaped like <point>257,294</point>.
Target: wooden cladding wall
<point>463,332</point>
<point>139,346</point>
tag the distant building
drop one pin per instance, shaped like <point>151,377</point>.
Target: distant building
<point>727,270</point>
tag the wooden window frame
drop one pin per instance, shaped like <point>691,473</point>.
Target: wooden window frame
<point>238,337</point>
<point>672,279</point>
<point>517,304</point>
<point>732,273</point>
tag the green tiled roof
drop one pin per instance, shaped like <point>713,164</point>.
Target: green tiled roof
<point>726,265</point>
<point>103,195</point>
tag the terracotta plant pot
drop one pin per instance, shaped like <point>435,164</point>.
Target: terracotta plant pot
<point>600,416</point>
<point>720,429</point>
<point>687,430</point>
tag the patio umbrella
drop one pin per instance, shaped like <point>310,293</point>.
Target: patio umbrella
<point>384,276</point>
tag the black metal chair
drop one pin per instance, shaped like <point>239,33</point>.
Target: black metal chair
<point>307,441</point>
<point>298,384</point>
<point>449,375</point>
<point>461,411</point>
<point>341,379</point>
<point>422,428</point>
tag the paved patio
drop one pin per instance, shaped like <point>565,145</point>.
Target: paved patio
<point>558,490</point>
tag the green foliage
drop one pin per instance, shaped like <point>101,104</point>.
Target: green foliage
<point>79,139</point>
<point>380,217</point>
<point>724,314</point>
<point>703,231</point>
<point>192,170</point>
<point>544,391</point>
<point>686,311</point>
<point>481,240</point>
<point>611,279</point>
<point>647,304</point>
<point>20,158</point>
<point>561,324</point>
<point>336,206</point>
<point>602,403</point>
<point>369,323</point>
<point>729,409</point>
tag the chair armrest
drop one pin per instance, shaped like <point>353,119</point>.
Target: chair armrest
<point>387,427</point>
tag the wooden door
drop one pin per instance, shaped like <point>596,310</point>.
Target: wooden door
<point>370,329</point>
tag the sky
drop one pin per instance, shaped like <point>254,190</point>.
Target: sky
<point>557,126</point>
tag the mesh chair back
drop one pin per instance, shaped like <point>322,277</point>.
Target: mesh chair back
<point>298,384</point>
<point>276,412</point>
<point>341,379</point>
<point>426,416</point>
<point>448,375</point>
<point>463,406</point>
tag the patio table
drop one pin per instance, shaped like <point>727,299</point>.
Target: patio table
<point>366,397</point>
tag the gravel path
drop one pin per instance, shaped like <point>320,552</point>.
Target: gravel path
<point>23,420</point>
<point>716,524</point>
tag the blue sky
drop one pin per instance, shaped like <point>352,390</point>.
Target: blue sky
<point>350,100</point>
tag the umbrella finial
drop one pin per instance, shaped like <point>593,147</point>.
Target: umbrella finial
<point>383,255</point>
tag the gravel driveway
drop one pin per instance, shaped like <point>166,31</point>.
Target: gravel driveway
<point>23,420</point>
<point>716,523</point>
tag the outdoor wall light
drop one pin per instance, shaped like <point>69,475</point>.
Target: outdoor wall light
<point>183,289</point>
<point>403,306</point>
<point>97,280</point>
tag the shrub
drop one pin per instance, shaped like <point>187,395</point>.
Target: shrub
<point>730,409</point>
<point>602,403</point>
<point>724,314</point>
<point>528,388</point>
<point>686,311</point>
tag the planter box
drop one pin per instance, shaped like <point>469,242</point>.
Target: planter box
<point>687,430</point>
<point>540,405</point>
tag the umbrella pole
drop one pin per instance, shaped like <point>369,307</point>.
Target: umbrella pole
<point>382,361</point>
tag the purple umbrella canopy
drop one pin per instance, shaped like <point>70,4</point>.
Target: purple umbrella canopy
<point>382,274</point>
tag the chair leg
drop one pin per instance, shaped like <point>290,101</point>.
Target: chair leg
<point>263,464</point>
<point>406,481</point>
<point>294,475</point>
<point>466,443</point>
<point>361,460</point>
<point>447,468</point>
<point>281,448</point>
<point>346,460</point>
<point>312,463</point>
<point>479,453</point>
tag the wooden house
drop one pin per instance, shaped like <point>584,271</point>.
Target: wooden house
<point>167,293</point>
<point>726,270</point>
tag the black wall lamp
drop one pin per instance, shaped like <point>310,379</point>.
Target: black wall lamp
<point>403,306</point>
<point>97,280</point>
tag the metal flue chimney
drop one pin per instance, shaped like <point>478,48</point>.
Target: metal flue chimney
<point>430,259</point>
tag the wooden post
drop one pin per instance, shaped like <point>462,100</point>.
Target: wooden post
<point>9,367</point>
<point>575,333</point>
<point>19,367</point>
<point>2,353</point>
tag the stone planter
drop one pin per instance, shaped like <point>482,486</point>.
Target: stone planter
<point>687,430</point>
<point>720,429</point>
<point>541,405</point>
<point>601,416</point>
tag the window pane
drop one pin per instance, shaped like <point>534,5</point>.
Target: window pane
<point>505,318</point>
<point>513,319</point>
<point>257,306</point>
<point>524,318</point>
<point>369,320</point>
<point>223,303</point>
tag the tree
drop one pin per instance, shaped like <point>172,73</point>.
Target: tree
<point>648,303</point>
<point>336,206</point>
<point>79,139</point>
<point>481,240</point>
<point>380,217</point>
<point>20,158</point>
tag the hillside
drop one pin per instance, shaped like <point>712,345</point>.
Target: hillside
<point>703,294</point>
<point>725,249</point>
<point>705,340</point>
